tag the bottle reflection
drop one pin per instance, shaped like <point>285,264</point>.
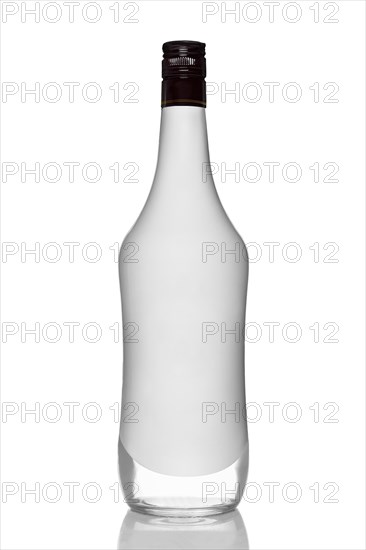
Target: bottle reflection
<point>140,531</point>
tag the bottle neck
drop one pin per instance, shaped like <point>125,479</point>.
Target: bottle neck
<point>183,145</point>
<point>183,90</point>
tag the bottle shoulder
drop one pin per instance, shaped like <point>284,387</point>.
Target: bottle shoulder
<point>204,238</point>
<point>185,227</point>
<point>176,211</point>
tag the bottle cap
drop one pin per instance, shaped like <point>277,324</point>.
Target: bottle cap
<point>184,58</point>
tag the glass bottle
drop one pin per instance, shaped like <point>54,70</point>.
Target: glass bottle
<point>183,446</point>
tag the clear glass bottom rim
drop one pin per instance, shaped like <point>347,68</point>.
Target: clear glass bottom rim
<point>146,507</point>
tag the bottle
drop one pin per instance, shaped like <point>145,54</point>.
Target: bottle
<point>183,446</point>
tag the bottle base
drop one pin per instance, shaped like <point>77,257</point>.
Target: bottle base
<point>193,509</point>
<point>157,494</point>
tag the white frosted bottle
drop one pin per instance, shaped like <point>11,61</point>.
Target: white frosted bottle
<point>183,447</point>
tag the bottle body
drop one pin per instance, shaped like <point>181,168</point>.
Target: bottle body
<point>183,446</point>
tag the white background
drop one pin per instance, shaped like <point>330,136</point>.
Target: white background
<point>318,288</point>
